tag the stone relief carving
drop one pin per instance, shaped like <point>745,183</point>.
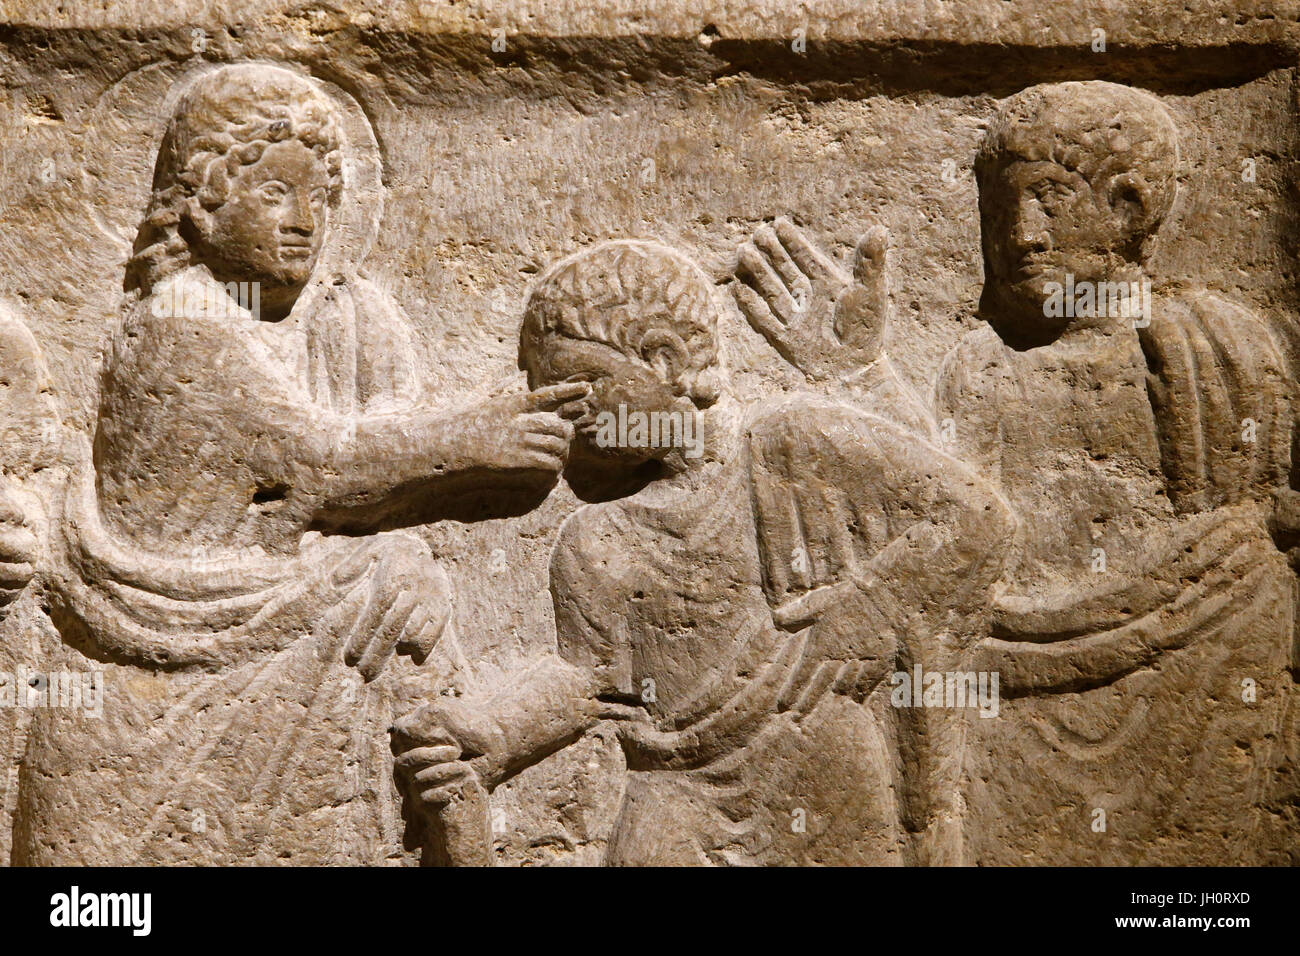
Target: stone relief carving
<point>1143,422</point>
<point>259,533</point>
<point>28,443</point>
<point>728,636</point>
<point>188,548</point>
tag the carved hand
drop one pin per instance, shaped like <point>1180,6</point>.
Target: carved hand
<point>444,746</point>
<point>522,431</point>
<point>409,606</point>
<point>821,319</point>
<point>17,546</point>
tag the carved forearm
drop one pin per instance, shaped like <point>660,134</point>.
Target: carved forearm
<point>369,460</point>
<point>553,705</point>
<point>357,471</point>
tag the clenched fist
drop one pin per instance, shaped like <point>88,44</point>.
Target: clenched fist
<point>443,747</point>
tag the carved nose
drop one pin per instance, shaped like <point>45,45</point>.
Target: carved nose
<point>300,217</point>
<point>1029,228</point>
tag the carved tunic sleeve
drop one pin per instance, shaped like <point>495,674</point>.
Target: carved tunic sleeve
<point>870,536</point>
<point>589,631</point>
<point>1218,385</point>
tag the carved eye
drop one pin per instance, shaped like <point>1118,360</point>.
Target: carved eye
<point>318,197</point>
<point>273,192</point>
<point>1053,193</point>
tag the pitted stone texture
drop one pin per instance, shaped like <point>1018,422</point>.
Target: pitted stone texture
<point>373,574</point>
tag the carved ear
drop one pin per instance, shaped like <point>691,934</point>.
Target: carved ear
<point>1132,199</point>
<point>666,352</point>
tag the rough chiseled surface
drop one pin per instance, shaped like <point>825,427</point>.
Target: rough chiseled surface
<point>329,334</point>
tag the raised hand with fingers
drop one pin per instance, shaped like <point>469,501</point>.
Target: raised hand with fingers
<point>821,319</point>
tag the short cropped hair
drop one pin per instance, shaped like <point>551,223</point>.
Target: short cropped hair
<point>626,294</point>
<point>1096,128</point>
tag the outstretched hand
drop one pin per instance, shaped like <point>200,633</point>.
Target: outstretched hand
<point>821,319</point>
<point>524,430</point>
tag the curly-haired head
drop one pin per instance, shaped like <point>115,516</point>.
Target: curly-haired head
<point>226,119</point>
<point>634,297</point>
<point>1100,130</point>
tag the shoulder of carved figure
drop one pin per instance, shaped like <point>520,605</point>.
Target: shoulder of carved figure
<point>187,325</point>
<point>579,541</point>
<point>387,323</point>
<point>1239,325</point>
<point>372,291</point>
<point>193,293</point>
<point>772,413</point>
<point>780,436</point>
<point>809,441</point>
<point>1221,338</point>
<point>805,414</point>
<point>1222,399</point>
<point>961,368</point>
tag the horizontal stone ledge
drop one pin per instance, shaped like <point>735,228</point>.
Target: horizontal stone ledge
<point>1032,23</point>
<point>437,66</point>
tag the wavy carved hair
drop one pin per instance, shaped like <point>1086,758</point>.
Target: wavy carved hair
<point>226,119</point>
<point>629,295</point>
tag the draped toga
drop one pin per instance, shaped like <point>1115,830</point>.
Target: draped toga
<point>233,730</point>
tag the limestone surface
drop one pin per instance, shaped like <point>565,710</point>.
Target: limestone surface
<point>531,433</point>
